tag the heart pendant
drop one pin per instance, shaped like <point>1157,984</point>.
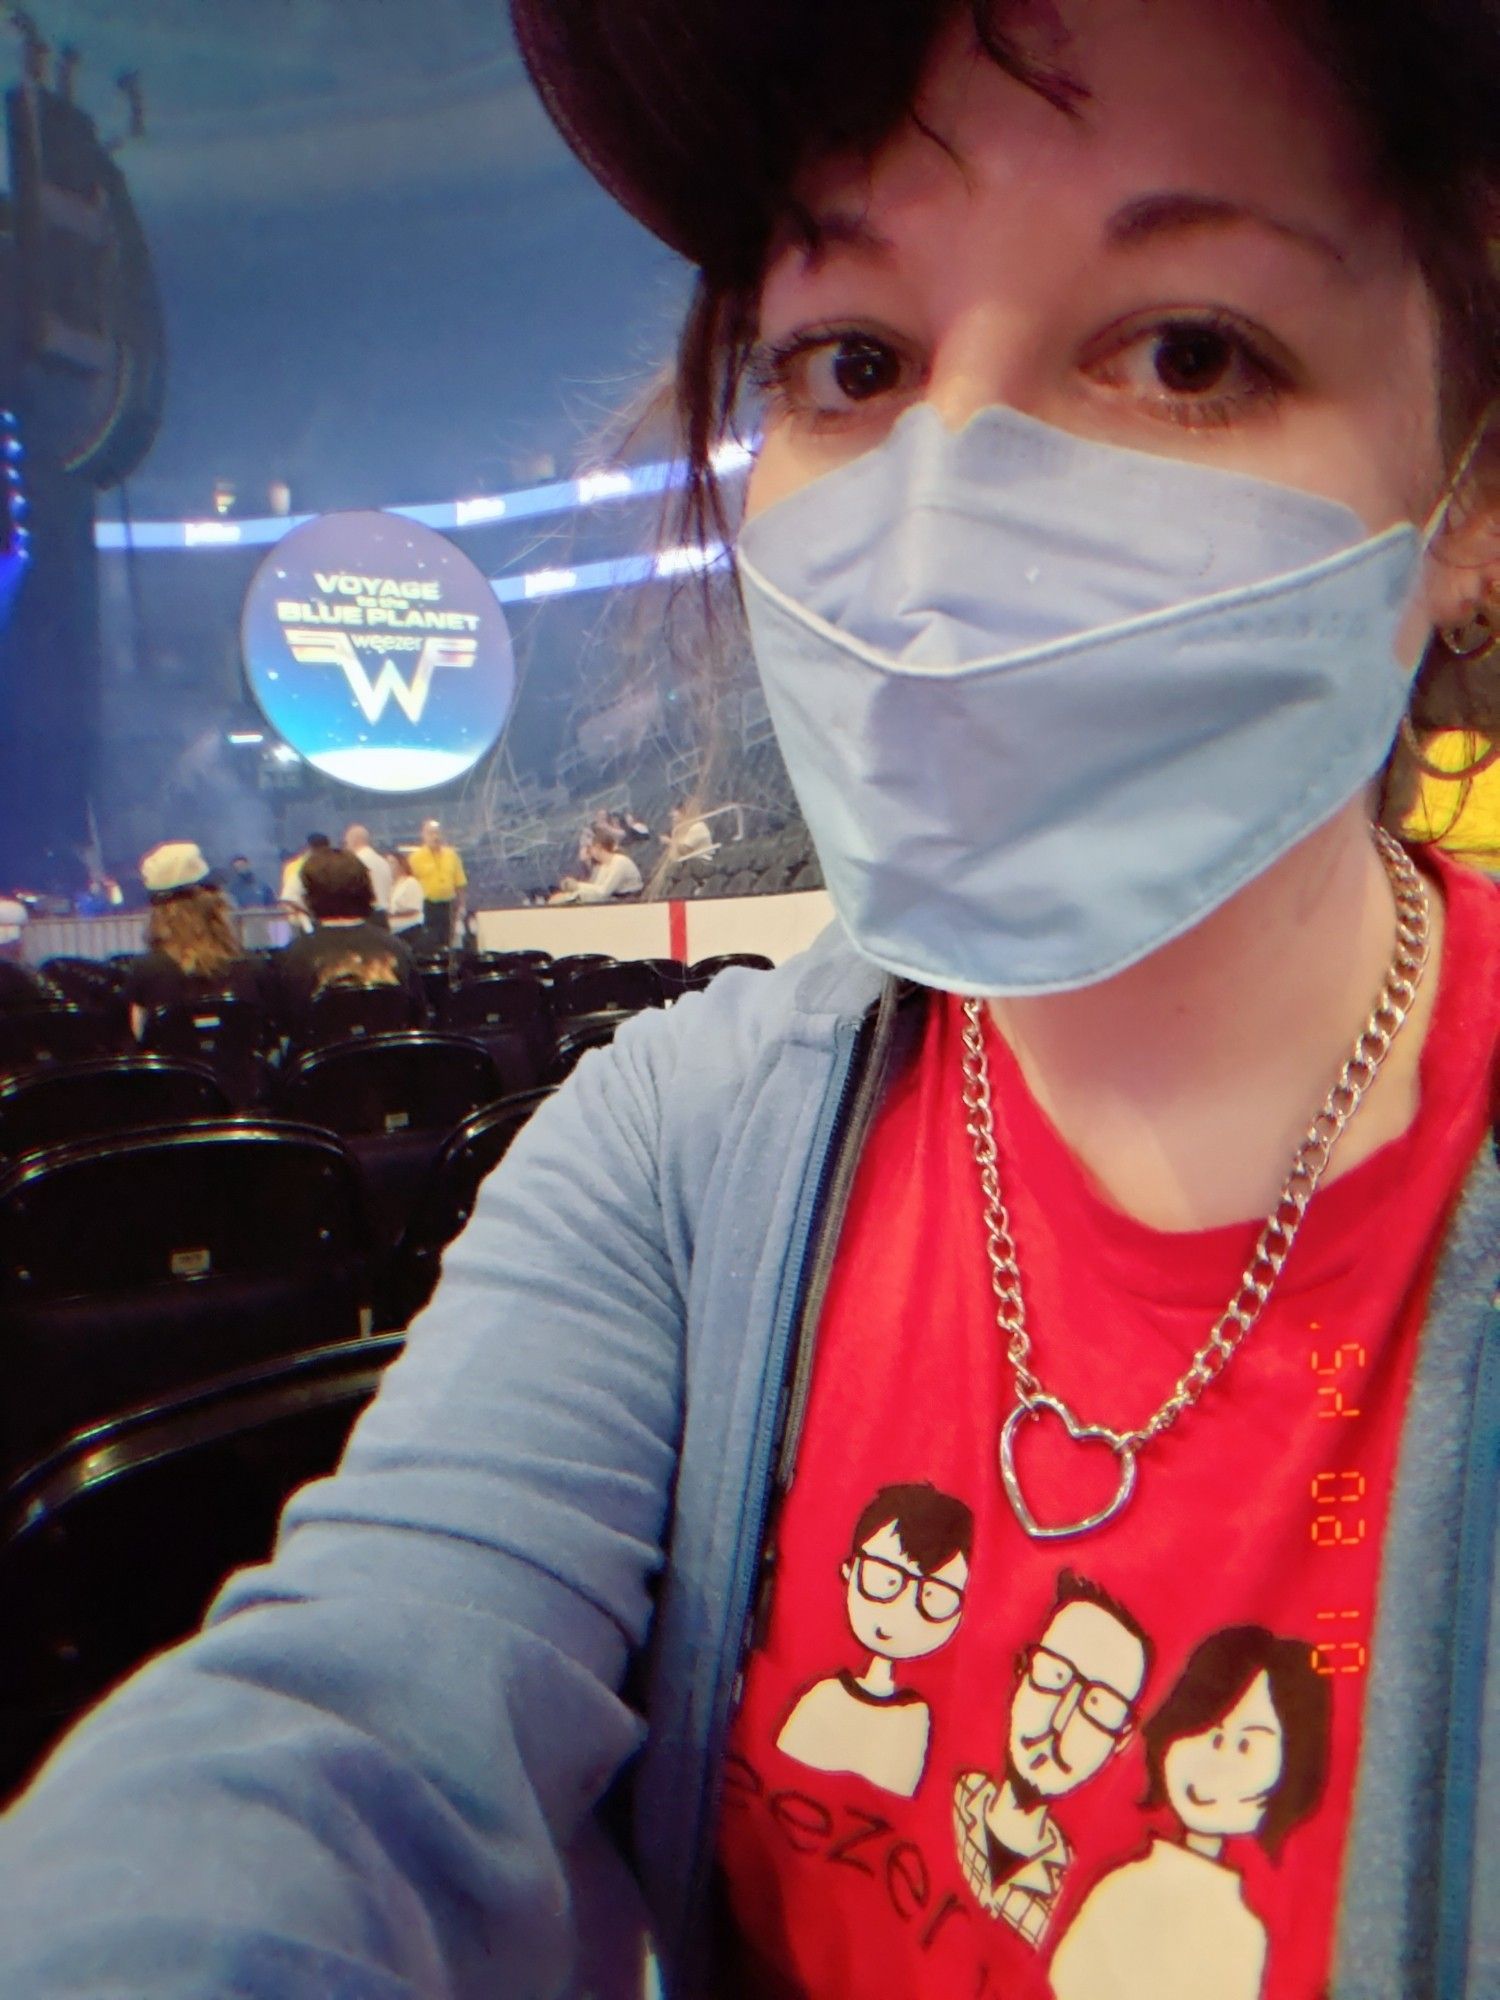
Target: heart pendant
<point>1080,1434</point>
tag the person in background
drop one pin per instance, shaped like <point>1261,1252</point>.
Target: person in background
<point>19,986</point>
<point>345,947</point>
<point>688,835</point>
<point>244,888</point>
<point>440,870</point>
<point>614,874</point>
<point>406,896</point>
<point>191,948</point>
<point>102,895</point>
<point>358,843</point>
<point>291,882</point>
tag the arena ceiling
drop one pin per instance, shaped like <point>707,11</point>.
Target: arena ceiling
<point>264,101</point>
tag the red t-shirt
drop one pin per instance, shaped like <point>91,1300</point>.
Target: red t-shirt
<point>1116,1767</point>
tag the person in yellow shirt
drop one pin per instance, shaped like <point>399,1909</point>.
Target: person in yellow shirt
<point>1457,806</point>
<point>440,870</point>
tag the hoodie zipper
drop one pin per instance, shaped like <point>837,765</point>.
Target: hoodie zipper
<point>775,1455</point>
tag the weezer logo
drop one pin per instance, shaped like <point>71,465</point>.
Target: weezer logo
<point>334,649</point>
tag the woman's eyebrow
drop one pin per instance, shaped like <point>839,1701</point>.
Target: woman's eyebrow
<point>1176,211</point>
<point>840,229</point>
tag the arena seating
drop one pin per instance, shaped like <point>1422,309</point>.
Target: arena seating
<point>577,1036</point>
<point>627,988</point>
<point>472,1150</point>
<point>341,1013</point>
<point>143,1263</point>
<point>230,1035</point>
<point>65,1101</point>
<point>393,1099</point>
<point>114,1545</point>
<point>31,1035</point>
<point>510,1016</point>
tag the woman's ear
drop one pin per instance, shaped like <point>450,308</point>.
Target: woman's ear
<point>1463,567</point>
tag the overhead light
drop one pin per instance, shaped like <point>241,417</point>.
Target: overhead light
<point>245,736</point>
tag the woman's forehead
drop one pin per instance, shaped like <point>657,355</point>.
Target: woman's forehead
<point>1216,101</point>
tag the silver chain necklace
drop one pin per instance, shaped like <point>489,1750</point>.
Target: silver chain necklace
<point>1273,1247</point>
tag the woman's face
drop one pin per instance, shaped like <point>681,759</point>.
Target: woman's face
<point>1195,265</point>
<point>1221,1782</point>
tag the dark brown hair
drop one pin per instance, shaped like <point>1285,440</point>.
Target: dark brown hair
<point>932,1527</point>
<point>1213,1681</point>
<point>1421,77</point>
<point>337,883</point>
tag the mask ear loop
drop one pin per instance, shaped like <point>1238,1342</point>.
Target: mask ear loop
<point>1486,645</point>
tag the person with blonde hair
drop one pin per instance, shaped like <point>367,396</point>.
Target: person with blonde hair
<point>191,946</point>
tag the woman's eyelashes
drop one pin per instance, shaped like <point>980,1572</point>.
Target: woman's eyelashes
<point>823,375</point>
<point>1199,369</point>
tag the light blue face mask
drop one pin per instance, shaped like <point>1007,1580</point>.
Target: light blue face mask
<point>1048,703</point>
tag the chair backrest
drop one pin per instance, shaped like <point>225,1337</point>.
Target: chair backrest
<point>31,1035</point>
<point>673,975</point>
<point>562,970</point>
<point>705,969</point>
<point>114,1546</point>
<point>577,1036</point>
<point>498,1000</point>
<point>341,1013</point>
<point>84,982</point>
<point>50,1106</point>
<point>137,1264</point>
<point>513,961</point>
<point>411,1081</point>
<point>222,1030</point>
<point>473,1150</point>
<point>629,987</point>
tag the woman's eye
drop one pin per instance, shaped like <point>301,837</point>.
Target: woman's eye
<point>1193,371</point>
<point>830,375</point>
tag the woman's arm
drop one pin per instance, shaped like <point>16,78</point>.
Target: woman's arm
<point>362,1779</point>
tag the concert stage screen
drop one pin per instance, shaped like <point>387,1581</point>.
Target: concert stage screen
<point>377,649</point>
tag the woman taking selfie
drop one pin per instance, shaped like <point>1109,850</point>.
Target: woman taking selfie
<point>986,1422</point>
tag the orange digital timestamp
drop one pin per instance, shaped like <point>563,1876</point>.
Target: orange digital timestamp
<point>1336,1656</point>
<point>1331,1403</point>
<point>1340,1489</point>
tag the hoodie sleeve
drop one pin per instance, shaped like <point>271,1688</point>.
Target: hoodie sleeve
<point>364,1777</point>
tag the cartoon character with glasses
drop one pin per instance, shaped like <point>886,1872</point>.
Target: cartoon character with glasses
<point>905,1577</point>
<point>1077,1690</point>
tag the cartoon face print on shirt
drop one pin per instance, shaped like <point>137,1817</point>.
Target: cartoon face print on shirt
<point>1239,1746</point>
<point>904,1580</point>
<point>1073,1708</point>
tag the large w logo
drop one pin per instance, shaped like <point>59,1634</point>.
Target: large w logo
<point>335,649</point>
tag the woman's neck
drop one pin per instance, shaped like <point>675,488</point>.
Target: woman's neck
<point>1184,1084</point>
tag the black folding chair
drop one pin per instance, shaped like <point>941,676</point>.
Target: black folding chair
<point>82,1100</point>
<point>227,1033</point>
<point>579,1034</point>
<point>343,1013</point>
<point>137,1265</point>
<point>394,1099</point>
<point>628,987</point>
<point>115,1545</point>
<point>673,975</point>
<point>32,1035</point>
<point>706,969</point>
<point>473,1150</point>
<point>561,970</point>
<point>510,1016</point>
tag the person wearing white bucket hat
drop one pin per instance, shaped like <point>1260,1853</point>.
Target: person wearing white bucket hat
<point>191,946</point>
<point>1121,380</point>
